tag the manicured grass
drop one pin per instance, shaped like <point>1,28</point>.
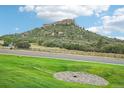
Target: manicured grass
<point>20,71</point>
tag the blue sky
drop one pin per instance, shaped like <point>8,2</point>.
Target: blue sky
<point>104,20</point>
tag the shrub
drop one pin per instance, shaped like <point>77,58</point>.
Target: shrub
<point>22,44</point>
<point>40,42</point>
<point>6,43</point>
<point>114,49</point>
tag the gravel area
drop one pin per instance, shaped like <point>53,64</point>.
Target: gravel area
<point>81,77</point>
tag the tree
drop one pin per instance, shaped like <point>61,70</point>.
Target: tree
<point>22,44</point>
<point>40,42</point>
<point>6,43</point>
<point>100,43</point>
<point>119,48</point>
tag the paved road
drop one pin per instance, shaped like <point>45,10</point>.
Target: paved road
<point>63,56</point>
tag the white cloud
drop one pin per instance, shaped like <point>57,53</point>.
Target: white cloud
<point>99,29</point>
<point>122,38</point>
<point>99,9</point>
<point>93,29</point>
<point>26,8</point>
<point>111,25</point>
<point>59,12</point>
<point>119,11</point>
<point>16,28</point>
<point>114,22</point>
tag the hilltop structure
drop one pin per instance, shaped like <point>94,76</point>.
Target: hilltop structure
<point>62,22</point>
<point>65,22</point>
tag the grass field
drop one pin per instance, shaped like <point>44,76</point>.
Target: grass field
<point>29,72</point>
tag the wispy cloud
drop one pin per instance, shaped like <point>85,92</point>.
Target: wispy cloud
<point>111,24</point>
<point>16,28</point>
<point>62,12</point>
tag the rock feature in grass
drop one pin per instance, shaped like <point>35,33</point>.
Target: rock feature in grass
<point>80,77</point>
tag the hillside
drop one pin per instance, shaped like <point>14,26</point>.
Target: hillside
<point>67,34</point>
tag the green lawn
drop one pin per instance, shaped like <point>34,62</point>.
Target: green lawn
<point>20,71</point>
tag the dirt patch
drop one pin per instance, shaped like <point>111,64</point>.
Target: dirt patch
<point>80,77</point>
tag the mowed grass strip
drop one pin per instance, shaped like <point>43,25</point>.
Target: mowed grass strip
<point>31,72</point>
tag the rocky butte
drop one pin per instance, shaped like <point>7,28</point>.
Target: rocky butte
<point>62,22</point>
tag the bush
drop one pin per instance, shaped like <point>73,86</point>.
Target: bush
<point>40,42</point>
<point>22,44</point>
<point>114,49</point>
<point>6,43</point>
<point>68,45</point>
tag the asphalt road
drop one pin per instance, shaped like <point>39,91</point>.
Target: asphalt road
<point>63,56</point>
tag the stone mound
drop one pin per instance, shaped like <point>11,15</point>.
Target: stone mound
<point>80,77</point>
